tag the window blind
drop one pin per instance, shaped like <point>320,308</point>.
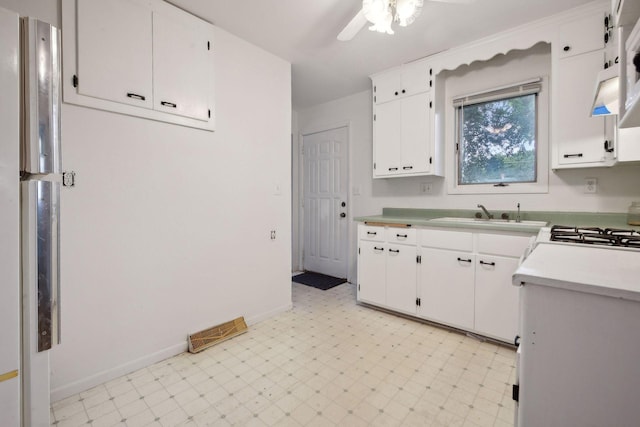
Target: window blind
<point>519,89</point>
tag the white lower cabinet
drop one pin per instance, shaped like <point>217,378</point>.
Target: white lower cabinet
<point>496,299</point>
<point>458,278</point>
<point>387,267</point>
<point>446,287</point>
<point>401,278</point>
<point>371,272</point>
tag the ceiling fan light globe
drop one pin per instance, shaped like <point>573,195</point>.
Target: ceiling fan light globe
<point>407,11</point>
<point>375,10</point>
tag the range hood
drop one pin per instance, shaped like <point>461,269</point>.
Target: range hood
<point>606,99</point>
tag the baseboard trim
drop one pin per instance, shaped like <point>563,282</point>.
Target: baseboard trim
<point>264,316</point>
<point>83,384</point>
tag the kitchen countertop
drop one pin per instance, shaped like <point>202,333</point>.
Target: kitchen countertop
<point>428,218</point>
<point>571,267</point>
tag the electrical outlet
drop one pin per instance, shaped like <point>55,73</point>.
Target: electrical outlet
<point>273,234</point>
<point>590,185</point>
<point>425,187</point>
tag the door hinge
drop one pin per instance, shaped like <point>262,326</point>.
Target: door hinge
<point>418,302</point>
<point>358,250</point>
<point>374,117</point>
<point>374,89</point>
<point>209,113</point>
<point>74,81</point>
<point>431,71</point>
<point>419,259</point>
<point>430,160</point>
<point>208,45</point>
<point>374,99</point>
<point>515,392</point>
<point>430,104</point>
<point>358,286</point>
<point>430,83</point>
<point>374,165</point>
<point>457,147</point>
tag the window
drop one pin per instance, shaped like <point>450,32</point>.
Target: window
<point>497,140</point>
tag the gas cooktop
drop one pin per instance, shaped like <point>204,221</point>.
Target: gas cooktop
<point>596,236</point>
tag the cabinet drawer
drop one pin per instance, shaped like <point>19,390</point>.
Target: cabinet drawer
<point>581,36</point>
<point>498,244</point>
<point>368,232</point>
<point>401,235</point>
<point>453,240</point>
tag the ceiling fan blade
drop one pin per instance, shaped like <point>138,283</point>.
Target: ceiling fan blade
<point>455,1</point>
<point>353,27</point>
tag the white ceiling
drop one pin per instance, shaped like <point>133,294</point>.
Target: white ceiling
<point>304,32</point>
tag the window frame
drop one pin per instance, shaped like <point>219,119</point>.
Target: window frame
<point>541,185</point>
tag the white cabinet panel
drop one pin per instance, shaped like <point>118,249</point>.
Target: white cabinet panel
<point>114,51</point>
<point>447,287</point>
<point>367,232</point>
<point>447,239</point>
<point>386,86</point>
<point>496,299</point>
<point>582,35</point>
<point>182,68</point>
<point>579,138</point>
<point>405,236</point>
<point>401,277</point>
<point>501,244</point>
<point>387,155</point>
<point>415,77</point>
<point>415,134</point>
<point>372,272</point>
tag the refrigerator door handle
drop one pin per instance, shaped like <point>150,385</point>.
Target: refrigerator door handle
<point>42,263</point>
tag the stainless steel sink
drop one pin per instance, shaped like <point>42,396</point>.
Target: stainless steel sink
<point>478,221</point>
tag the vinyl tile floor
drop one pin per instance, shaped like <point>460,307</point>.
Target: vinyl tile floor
<point>326,362</point>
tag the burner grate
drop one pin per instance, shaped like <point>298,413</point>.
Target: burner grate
<point>595,236</point>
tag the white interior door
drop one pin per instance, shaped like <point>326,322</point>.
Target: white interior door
<point>325,202</point>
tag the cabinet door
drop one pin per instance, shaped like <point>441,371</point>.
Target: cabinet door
<point>387,86</point>
<point>579,138</point>
<point>183,68</point>
<point>415,134</point>
<point>496,299</point>
<point>581,36</point>
<point>386,136</point>
<point>372,272</point>
<point>401,278</point>
<point>114,51</point>
<point>447,287</point>
<point>416,78</point>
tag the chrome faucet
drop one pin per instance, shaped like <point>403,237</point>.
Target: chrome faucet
<point>489,215</point>
<point>518,216</point>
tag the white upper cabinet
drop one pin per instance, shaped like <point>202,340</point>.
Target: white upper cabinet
<point>579,140</point>
<point>581,35</point>
<point>143,58</point>
<point>180,89</point>
<point>403,131</point>
<point>407,80</point>
<point>125,80</point>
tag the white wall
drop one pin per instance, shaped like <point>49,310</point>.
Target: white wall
<point>167,231</point>
<point>617,186</point>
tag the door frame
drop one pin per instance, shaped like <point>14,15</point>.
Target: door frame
<point>310,130</point>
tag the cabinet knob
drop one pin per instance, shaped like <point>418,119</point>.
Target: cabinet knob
<point>566,48</point>
<point>396,93</point>
<point>403,91</point>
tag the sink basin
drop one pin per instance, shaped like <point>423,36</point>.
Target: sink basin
<point>478,221</point>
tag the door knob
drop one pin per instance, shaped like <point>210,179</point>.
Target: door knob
<point>342,215</point>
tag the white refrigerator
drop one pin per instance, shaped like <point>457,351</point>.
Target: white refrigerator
<point>30,181</point>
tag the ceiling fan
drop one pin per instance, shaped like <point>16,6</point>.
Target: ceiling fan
<point>382,13</point>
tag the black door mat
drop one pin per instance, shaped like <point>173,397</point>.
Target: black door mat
<point>317,280</point>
